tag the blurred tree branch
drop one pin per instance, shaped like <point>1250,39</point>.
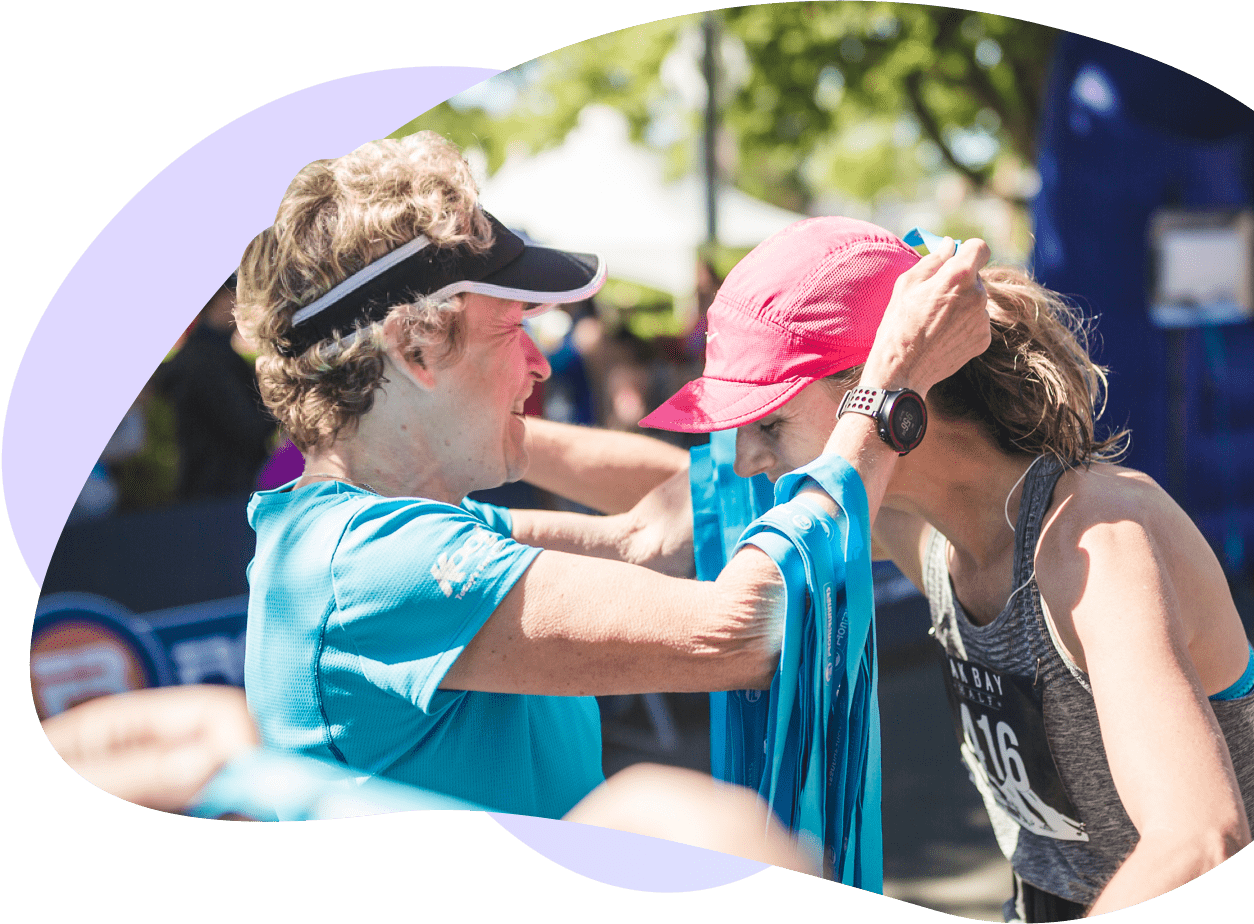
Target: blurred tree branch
<point>856,97</point>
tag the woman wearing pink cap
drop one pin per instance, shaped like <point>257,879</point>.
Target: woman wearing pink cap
<point>1100,679</point>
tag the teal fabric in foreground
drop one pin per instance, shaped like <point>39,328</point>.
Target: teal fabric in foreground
<point>271,785</point>
<point>810,746</point>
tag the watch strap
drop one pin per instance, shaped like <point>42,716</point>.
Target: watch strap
<point>860,400</point>
<point>882,405</point>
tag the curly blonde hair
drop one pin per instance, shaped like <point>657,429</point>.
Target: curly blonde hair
<point>1035,389</point>
<point>336,217</point>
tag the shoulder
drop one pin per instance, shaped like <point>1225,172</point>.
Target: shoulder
<point>1091,507</point>
<point>417,523</point>
<point>412,548</point>
<point>348,522</point>
<point>1115,548</point>
<point>497,519</point>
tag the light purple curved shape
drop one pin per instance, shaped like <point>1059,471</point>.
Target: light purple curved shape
<point>630,861</point>
<point>142,281</point>
<point>139,285</point>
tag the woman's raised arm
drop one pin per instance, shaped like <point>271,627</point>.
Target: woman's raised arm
<point>605,470</point>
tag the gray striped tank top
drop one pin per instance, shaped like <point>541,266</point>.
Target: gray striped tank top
<point>1028,728</point>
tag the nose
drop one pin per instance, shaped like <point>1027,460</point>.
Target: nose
<point>537,364</point>
<point>752,455</point>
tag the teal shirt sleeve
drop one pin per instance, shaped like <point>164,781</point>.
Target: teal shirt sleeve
<point>498,519</point>
<point>413,583</point>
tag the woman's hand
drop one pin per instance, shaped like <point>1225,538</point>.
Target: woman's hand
<point>935,322</point>
<point>661,529</point>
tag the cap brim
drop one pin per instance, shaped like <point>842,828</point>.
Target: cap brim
<point>540,275</point>
<point>705,404</point>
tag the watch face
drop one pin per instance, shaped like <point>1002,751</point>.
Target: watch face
<point>909,420</point>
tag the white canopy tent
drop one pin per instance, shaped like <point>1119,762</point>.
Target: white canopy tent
<point>600,193</point>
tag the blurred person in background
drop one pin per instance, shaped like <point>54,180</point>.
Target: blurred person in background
<point>222,429</point>
<point>628,381</point>
<point>100,494</point>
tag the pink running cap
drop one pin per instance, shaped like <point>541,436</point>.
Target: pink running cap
<point>804,304</point>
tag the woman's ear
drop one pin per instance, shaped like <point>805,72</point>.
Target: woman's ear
<point>395,340</point>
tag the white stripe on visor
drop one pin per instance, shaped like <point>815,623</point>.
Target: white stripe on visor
<point>360,278</point>
<point>527,295</point>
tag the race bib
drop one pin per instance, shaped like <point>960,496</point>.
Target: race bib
<point>1002,737</point>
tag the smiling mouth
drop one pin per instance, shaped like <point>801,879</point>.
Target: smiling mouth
<point>518,409</point>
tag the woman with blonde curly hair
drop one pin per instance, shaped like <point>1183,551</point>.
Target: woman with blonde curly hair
<point>403,630</point>
<point>1101,683</point>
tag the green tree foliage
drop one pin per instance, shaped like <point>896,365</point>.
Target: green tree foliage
<point>535,105</point>
<point>861,97</point>
<point>856,97</point>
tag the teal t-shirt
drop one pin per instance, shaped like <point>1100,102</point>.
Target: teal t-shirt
<point>358,606</point>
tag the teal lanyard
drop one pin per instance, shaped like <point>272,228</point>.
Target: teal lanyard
<point>810,746</point>
<point>917,237</point>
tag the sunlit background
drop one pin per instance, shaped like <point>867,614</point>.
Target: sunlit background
<point>709,132</point>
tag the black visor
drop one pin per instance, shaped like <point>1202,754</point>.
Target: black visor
<point>511,269</point>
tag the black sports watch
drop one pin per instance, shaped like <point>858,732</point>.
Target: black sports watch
<point>900,415</point>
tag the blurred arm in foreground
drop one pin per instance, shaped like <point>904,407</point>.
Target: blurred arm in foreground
<point>161,747</point>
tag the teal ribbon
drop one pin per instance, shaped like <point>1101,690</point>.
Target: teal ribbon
<point>917,237</point>
<point>810,746</point>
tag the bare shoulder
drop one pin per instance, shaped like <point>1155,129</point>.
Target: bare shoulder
<point>1098,532</point>
<point>1103,507</point>
<point>1116,548</point>
<point>1103,491</point>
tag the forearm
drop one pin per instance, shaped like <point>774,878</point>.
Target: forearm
<point>1160,863</point>
<point>609,537</point>
<point>856,439</point>
<point>154,747</point>
<point>935,322</point>
<point>582,627</point>
<point>601,469</point>
<point>656,533</point>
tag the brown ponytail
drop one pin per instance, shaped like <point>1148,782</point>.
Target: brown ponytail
<point>1035,389</point>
